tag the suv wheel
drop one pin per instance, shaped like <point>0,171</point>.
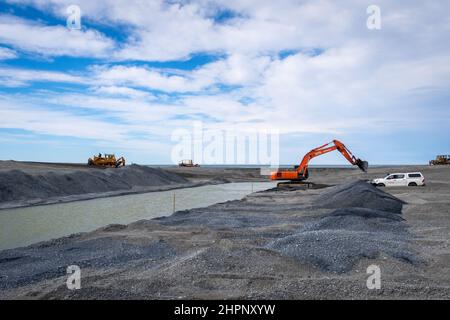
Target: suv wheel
<point>381,185</point>
<point>412,184</point>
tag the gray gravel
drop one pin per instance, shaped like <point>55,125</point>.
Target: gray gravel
<point>339,250</point>
<point>233,214</point>
<point>43,261</point>
<point>359,194</point>
<point>337,240</point>
<point>365,213</point>
<point>271,245</point>
<point>20,185</point>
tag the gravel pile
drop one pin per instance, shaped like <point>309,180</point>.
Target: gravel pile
<point>43,261</point>
<point>231,215</point>
<point>338,250</point>
<point>18,185</point>
<point>366,224</point>
<point>359,194</point>
<point>364,213</point>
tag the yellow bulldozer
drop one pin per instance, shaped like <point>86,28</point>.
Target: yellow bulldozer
<point>441,159</point>
<point>108,160</point>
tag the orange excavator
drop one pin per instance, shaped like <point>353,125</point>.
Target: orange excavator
<point>300,173</point>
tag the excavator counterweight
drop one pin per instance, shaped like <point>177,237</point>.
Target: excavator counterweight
<point>300,173</point>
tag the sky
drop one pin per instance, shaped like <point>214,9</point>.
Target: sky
<point>138,71</point>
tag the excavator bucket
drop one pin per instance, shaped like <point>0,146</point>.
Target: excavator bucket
<point>363,165</point>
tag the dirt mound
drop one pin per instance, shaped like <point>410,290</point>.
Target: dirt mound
<point>359,194</point>
<point>38,262</point>
<point>365,213</point>
<point>365,225</point>
<point>339,250</point>
<point>227,215</point>
<point>18,185</point>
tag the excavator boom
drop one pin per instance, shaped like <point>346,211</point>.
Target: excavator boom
<point>301,172</point>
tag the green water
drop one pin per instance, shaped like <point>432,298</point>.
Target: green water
<point>23,226</point>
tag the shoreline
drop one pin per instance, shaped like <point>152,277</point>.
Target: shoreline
<point>92,196</point>
<point>193,177</point>
<point>111,194</point>
<point>27,184</point>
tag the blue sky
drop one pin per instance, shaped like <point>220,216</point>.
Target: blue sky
<point>138,71</point>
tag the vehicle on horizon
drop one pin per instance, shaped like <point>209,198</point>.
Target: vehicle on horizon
<point>108,160</point>
<point>440,160</point>
<point>410,179</point>
<point>187,163</point>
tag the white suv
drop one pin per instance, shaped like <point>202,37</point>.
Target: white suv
<point>400,179</point>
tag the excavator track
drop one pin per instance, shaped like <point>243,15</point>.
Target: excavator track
<point>300,185</point>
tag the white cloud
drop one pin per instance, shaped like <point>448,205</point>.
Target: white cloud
<point>46,40</point>
<point>6,53</point>
<point>146,78</point>
<point>121,91</point>
<point>15,77</point>
<point>161,30</point>
<point>17,114</point>
<point>237,70</point>
<point>166,31</point>
<point>360,81</point>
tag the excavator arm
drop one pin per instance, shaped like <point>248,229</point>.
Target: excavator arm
<point>301,172</point>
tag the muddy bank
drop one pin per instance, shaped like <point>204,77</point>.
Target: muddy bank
<point>366,222</point>
<point>230,174</point>
<point>25,184</point>
<point>22,188</point>
<point>18,185</point>
<point>274,244</point>
<point>24,226</point>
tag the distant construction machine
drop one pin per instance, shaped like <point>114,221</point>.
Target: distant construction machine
<point>300,173</point>
<point>109,160</point>
<point>187,163</point>
<point>440,160</point>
